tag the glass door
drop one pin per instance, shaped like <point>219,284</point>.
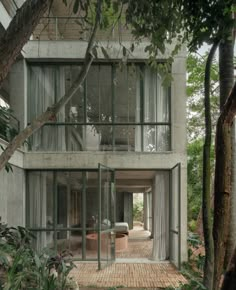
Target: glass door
<point>106,217</point>
<point>175,216</point>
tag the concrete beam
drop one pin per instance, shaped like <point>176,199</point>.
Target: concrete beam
<point>90,160</point>
<point>133,182</point>
<point>58,50</point>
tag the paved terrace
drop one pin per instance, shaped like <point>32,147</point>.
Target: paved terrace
<point>133,268</point>
<point>131,275</point>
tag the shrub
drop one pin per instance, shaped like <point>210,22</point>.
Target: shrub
<point>21,267</point>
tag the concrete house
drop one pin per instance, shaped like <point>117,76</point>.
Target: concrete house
<point>122,133</point>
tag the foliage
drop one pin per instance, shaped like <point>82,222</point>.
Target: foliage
<point>22,268</point>
<point>138,211</point>
<point>196,127</point>
<point>193,269</point>
<point>195,95</point>
<point>8,130</point>
<point>164,21</point>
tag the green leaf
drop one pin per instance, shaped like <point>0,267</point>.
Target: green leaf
<point>37,261</point>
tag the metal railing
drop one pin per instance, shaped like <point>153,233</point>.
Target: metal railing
<point>75,28</point>
<point>138,137</point>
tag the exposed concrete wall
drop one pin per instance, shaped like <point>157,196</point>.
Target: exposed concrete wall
<point>5,17</point>
<point>90,160</point>
<point>17,157</point>
<point>178,105</point>
<point>12,196</point>
<point>12,190</point>
<point>75,50</point>
<point>184,219</point>
<point>128,209</point>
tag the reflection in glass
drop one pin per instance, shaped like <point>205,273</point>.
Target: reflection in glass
<point>156,138</point>
<point>111,95</point>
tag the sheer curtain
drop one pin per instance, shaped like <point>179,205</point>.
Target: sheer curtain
<point>37,190</point>
<point>46,86</point>
<point>161,216</point>
<point>137,113</point>
<point>156,109</point>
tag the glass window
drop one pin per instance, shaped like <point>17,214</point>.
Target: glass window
<point>127,100</point>
<point>110,95</point>
<point>156,98</point>
<point>99,94</point>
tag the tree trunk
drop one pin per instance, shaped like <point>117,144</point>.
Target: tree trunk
<point>222,184</point>
<point>226,69</point>
<point>18,33</point>
<point>224,245</point>
<point>226,73</point>
<point>206,190</point>
<point>229,282</point>
<point>50,113</point>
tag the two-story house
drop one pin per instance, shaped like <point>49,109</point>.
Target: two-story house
<point>122,132</point>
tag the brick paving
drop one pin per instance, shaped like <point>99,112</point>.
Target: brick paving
<point>140,274</point>
<point>134,275</point>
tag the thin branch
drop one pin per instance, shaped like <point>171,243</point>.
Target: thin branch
<point>54,109</point>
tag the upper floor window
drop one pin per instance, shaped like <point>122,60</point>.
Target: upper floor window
<point>117,108</point>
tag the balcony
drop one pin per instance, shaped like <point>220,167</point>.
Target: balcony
<point>129,137</point>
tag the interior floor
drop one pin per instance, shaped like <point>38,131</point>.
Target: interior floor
<point>139,244</point>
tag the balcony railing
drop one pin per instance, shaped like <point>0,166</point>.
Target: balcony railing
<point>148,137</point>
<point>75,28</point>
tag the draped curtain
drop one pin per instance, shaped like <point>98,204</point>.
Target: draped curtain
<point>156,109</point>
<point>161,216</point>
<point>46,86</point>
<point>37,189</point>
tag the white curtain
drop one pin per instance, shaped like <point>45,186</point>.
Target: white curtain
<point>156,109</point>
<point>46,86</point>
<point>37,190</point>
<point>161,216</point>
<point>137,114</point>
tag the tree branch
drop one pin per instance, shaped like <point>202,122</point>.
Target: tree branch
<point>53,110</point>
<point>18,33</point>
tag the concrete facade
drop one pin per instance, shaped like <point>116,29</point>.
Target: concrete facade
<point>12,195</point>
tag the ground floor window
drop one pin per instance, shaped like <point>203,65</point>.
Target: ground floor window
<point>83,212</point>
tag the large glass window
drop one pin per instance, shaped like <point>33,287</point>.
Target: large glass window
<point>63,210</point>
<point>118,108</point>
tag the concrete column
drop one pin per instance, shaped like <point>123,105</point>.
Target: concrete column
<point>145,211</point>
<point>128,209</point>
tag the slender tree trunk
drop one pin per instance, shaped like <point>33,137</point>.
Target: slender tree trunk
<point>223,243</point>
<point>18,33</point>
<point>206,191</point>
<point>226,72</point>
<point>229,282</point>
<point>226,69</point>
<point>50,113</point>
<point>223,183</point>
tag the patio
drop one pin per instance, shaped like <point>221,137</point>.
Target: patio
<point>135,275</point>
<point>132,269</point>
